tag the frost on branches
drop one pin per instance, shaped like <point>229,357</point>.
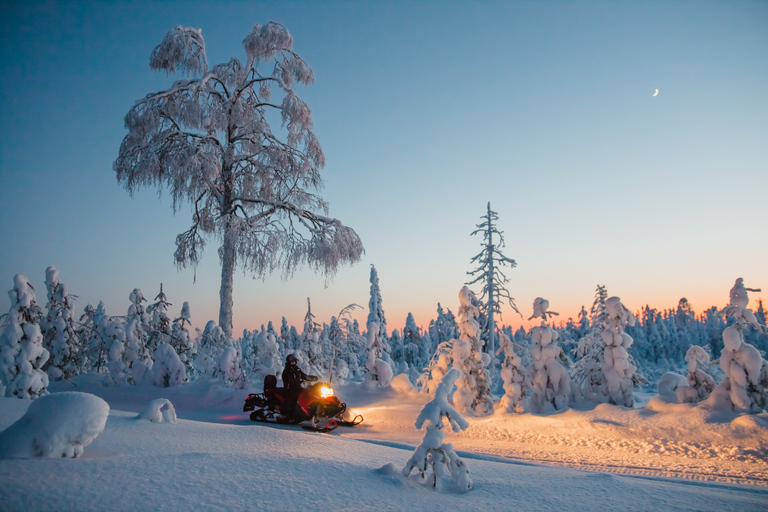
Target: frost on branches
<point>746,372</point>
<point>207,139</point>
<point>22,354</point>
<point>473,393</point>
<point>605,372</point>
<point>432,453</point>
<point>551,383</point>
<point>515,378</point>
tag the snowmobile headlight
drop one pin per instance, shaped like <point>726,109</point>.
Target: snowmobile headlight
<point>325,392</point>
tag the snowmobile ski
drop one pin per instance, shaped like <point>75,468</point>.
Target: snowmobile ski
<point>328,427</point>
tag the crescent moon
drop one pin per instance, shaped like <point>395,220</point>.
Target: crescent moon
<point>656,93</point>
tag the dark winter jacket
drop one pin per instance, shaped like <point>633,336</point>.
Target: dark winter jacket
<point>292,379</point>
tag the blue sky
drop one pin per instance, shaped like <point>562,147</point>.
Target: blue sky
<point>426,111</point>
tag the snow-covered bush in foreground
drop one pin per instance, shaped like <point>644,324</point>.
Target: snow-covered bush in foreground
<point>22,354</point>
<point>551,383</point>
<point>158,411</point>
<point>514,376</point>
<point>58,425</point>
<point>432,452</point>
<point>746,371</point>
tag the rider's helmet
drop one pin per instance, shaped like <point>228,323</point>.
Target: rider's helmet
<point>290,358</point>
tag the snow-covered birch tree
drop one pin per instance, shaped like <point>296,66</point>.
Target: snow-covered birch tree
<point>208,140</point>
<point>488,272</point>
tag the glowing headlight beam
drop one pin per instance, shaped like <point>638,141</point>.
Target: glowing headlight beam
<point>325,392</point>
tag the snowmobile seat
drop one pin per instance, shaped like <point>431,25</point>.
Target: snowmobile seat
<point>271,391</point>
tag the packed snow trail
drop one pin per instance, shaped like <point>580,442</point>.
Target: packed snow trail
<point>673,440</point>
<point>140,465</point>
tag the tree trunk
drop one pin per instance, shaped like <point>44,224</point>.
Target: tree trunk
<point>228,259</point>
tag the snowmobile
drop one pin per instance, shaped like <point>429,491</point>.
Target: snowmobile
<point>316,404</point>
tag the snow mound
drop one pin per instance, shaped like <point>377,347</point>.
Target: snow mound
<point>402,384</point>
<point>158,411</point>
<point>57,425</point>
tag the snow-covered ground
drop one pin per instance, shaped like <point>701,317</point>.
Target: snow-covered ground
<point>657,456</point>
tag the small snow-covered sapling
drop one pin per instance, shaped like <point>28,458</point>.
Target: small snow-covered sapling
<point>432,452</point>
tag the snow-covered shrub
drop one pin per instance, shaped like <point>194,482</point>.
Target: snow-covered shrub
<point>473,393</point>
<point>746,372</point>
<point>60,336</point>
<point>668,385</point>
<point>22,354</point>
<point>432,453</point>
<point>168,369</point>
<point>159,410</point>
<point>551,385</point>
<point>57,425</point>
<point>699,383</point>
<point>514,376</point>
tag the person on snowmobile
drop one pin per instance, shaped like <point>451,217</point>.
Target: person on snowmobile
<point>293,378</point>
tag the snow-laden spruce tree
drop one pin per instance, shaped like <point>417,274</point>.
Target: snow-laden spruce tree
<point>444,327</point>
<point>493,281</point>
<point>605,372</point>
<point>597,311</point>
<point>137,355</point>
<point>112,330</point>
<point>473,392</point>
<point>378,363</point>
<point>60,335</point>
<point>208,140</point>
<point>746,372</point>
<point>209,349</point>
<point>700,383</point>
<point>379,370</point>
<point>159,324</point>
<point>415,350</point>
<point>515,377</point>
<point>432,453</point>
<point>345,346</point>
<point>269,360</point>
<point>22,354</point>
<point>310,350</point>
<point>168,369</point>
<point>551,385</point>
<point>181,341</point>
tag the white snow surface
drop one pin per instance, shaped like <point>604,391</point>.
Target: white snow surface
<point>658,456</point>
